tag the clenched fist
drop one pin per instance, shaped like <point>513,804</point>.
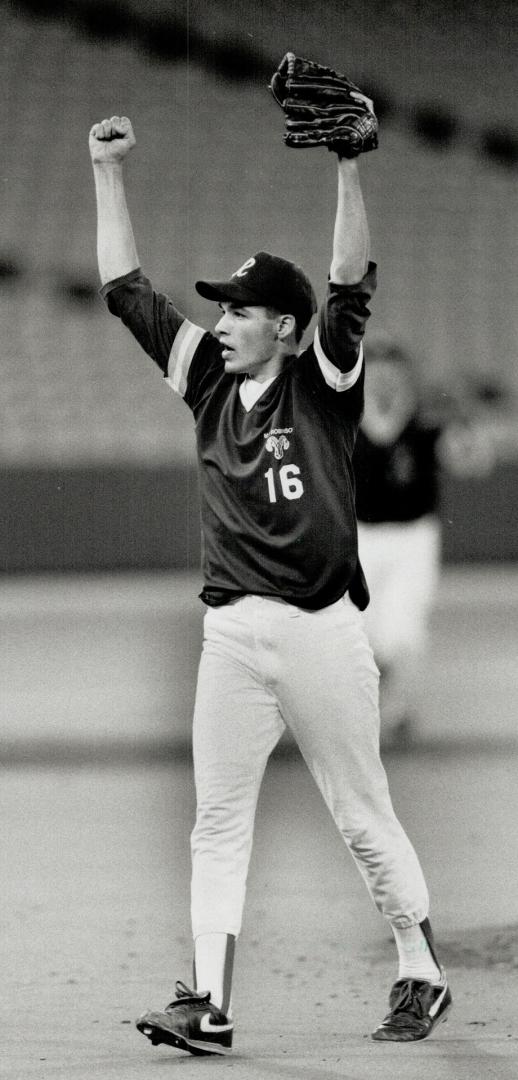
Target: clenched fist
<point>111,140</point>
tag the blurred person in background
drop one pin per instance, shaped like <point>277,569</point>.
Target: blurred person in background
<point>410,432</point>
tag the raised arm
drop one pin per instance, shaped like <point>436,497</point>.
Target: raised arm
<point>352,282</point>
<point>110,142</point>
<point>351,242</point>
<point>151,316</point>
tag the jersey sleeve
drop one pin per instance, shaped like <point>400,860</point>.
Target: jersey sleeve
<point>188,356</point>
<point>151,316</point>
<point>341,325</point>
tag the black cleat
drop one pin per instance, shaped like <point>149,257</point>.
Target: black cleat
<point>416,1007</point>
<point>191,1023</point>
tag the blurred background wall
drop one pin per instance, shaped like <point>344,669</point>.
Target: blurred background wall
<point>97,455</point>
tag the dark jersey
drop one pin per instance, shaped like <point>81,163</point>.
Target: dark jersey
<point>399,481</point>
<point>276,479</point>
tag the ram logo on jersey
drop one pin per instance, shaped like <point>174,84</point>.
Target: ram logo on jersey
<point>278,445</point>
<point>276,441</point>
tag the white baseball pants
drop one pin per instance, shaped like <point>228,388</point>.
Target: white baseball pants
<point>401,561</point>
<point>265,665</point>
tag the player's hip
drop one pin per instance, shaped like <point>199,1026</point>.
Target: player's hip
<point>269,636</point>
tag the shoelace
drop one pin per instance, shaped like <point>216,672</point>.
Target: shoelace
<point>184,996</point>
<point>409,1000</point>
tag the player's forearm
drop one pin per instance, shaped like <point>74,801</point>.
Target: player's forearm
<point>351,243</point>
<point>116,248</point>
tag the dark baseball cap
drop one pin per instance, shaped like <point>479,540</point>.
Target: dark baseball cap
<point>268,281</point>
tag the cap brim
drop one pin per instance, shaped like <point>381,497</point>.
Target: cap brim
<point>226,290</point>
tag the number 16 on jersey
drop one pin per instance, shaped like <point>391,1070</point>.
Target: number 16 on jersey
<point>285,482</point>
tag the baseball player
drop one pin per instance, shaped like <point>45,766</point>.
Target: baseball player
<point>284,643</point>
<point>405,440</point>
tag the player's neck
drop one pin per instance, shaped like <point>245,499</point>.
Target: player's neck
<point>272,367</point>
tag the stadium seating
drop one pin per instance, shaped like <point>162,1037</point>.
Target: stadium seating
<point>77,391</point>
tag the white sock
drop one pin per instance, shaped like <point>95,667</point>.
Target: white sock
<point>415,958</point>
<point>213,966</point>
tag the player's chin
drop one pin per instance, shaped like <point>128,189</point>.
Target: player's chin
<point>233,365</point>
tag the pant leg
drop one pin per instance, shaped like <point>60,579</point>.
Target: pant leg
<point>328,693</point>
<point>402,565</point>
<point>402,561</point>
<point>376,551</point>
<point>236,726</point>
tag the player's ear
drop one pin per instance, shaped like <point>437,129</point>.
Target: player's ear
<point>286,325</point>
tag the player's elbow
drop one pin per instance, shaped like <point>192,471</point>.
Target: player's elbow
<point>350,271</point>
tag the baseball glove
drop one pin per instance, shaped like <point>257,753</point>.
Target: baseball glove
<point>323,108</point>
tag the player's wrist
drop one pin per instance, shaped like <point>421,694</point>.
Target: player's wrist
<point>347,164</point>
<point>108,166</point>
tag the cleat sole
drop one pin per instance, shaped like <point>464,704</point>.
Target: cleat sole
<point>158,1035</point>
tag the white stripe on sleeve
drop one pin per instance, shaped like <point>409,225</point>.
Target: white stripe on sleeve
<point>336,379</point>
<point>184,347</point>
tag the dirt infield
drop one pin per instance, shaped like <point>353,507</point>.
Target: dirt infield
<point>96,924</point>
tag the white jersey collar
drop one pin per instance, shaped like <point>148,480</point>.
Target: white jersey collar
<point>250,390</point>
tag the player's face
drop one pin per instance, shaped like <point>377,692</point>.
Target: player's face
<point>249,339</point>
